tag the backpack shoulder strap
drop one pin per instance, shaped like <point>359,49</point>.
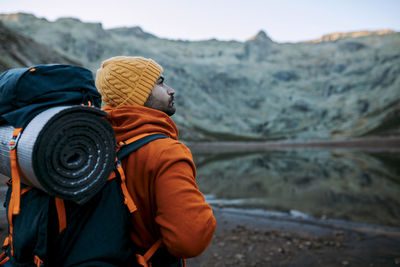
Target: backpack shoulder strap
<point>132,145</point>
<point>124,149</point>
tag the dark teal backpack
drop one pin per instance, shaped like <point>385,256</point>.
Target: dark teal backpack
<point>94,234</point>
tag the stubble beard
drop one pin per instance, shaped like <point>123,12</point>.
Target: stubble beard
<point>154,103</point>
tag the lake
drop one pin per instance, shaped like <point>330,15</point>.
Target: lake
<point>332,183</point>
<point>322,183</point>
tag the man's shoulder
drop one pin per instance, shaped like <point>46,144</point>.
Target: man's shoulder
<point>170,146</point>
<point>170,143</point>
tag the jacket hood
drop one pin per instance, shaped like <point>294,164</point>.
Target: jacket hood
<point>130,121</point>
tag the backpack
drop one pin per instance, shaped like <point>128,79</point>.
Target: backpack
<point>45,230</point>
<point>79,239</point>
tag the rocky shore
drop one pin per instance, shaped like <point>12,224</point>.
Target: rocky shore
<point>246,239</point>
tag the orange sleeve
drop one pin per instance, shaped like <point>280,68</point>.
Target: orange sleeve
<point>186,221</point>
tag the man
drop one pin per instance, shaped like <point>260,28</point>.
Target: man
<point>160,176</point>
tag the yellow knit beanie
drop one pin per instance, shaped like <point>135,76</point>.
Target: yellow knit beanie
<point>127,80</point>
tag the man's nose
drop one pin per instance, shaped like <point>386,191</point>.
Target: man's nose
<point>170,91</point>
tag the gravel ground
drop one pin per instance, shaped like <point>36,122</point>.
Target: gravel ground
<point>244,239</point>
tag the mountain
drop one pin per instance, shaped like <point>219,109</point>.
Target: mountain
<point>340,86</point>
<point>16,50</point>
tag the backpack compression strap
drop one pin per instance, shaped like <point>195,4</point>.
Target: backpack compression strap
<point>16,191</point>
<point>16,179</point>
<point>14,205</point>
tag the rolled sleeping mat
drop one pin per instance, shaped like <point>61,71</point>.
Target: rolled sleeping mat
<point>68,152</point>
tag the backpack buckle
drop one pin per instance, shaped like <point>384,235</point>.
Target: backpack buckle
<point>15,138</point>
<point>117,164</point>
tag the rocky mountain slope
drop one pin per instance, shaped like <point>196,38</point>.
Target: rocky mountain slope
<point>342,86</point>
<point>16,51</point>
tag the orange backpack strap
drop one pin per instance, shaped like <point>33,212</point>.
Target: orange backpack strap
<point>62,217</point>
<point>127,197</point>
<point>38,261</point>
<point>14,205</point>
<point>3,256</point>
<point>143,259</point>
<point>25,189</point>
<point>15,174</point>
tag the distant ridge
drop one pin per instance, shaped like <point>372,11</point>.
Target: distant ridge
<point>335,36</point>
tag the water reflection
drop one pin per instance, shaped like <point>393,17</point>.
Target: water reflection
<point>350,185</point>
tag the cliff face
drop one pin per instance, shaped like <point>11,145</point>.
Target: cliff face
<point>341,86</point>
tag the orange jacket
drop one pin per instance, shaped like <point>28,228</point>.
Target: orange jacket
<point>161,180</point>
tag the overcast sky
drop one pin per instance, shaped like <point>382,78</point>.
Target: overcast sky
<point>282,20</point>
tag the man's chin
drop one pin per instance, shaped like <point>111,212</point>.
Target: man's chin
<point>171,110</point>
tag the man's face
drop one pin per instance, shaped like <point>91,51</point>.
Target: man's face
<point>162,98</point>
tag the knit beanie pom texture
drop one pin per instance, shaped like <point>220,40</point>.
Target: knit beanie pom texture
<point>127,80</point>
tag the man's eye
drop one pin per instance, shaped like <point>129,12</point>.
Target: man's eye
<point>160,80</point>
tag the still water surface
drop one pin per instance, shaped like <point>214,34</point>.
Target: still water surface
<point>321,183</point>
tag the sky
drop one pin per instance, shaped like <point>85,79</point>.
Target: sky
<point>282,20</point>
